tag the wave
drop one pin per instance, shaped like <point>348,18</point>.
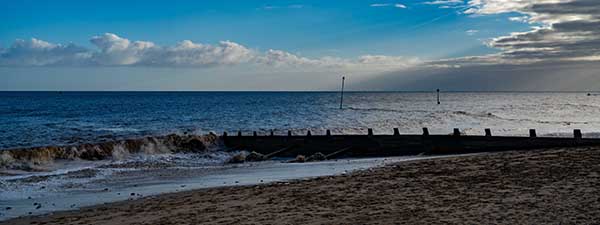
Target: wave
<point>38,158</point>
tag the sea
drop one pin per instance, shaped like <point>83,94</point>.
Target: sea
<point>44,136</point>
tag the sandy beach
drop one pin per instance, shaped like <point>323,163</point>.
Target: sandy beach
<point>553,186</point>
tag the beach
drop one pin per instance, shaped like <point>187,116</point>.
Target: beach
<point>551,186</point>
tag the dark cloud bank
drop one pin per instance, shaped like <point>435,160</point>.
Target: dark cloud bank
<point>573,76</point>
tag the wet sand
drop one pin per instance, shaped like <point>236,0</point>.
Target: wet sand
<point>536,187</point>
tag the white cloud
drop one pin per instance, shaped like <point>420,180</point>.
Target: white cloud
<point>395,5</point>
<point>112,50</point>
<point>380,4</point>
<point>522,19</point>
<point>444,2</point>
<point>36,52</point>
<point>471,32</point>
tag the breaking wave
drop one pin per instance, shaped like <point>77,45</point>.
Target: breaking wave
<point>38,158</point>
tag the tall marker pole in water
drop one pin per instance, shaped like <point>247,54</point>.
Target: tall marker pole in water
<point>342,93</point>
<point>438,96</point>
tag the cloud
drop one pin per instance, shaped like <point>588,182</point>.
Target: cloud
<point>113,50</point>
<point>395,5</point>
<point>522,19</point>
<point>471,32</point>
<point>563,29</point>
<point>444,2</point>
<point>380,5</point>
<point>36,52</point>
<point>541,76</point>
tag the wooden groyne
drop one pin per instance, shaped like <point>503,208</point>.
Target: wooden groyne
<point>396,144</point>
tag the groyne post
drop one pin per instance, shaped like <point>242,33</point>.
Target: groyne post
<point>272,133</point>
<point>342,93</point>
<point>370,132</point>
<point>532,133</point>
<point>438,96</point>
<point>488,132</point>
<point>308,133</point>
<point>289,133</point>
<point>456,132</point>
<point>240,133</point>
<point>225,134</point>
<point>396,132</point>
<point>328,133</point>
<point>425,131</point>
<point>254,134</point>
<point>577,134</point>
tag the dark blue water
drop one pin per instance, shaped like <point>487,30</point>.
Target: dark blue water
<point>51,118</point>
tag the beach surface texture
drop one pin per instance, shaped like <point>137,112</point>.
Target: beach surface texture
<point>552,186</point>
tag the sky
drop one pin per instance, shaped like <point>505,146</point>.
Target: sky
<point>404,45</point>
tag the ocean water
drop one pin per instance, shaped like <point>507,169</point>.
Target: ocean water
<point>29,119</point>
<point>72,149</point>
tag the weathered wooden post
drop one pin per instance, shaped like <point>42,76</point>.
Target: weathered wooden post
<point>438,96</point>
<point>488,132</point>
<point>225,134</point>
<point>289,133</point>
<point>456,132</point>
<point>254,133</point>
<point>342,93</point>
<point>239,133</point>
<point>532,133</point>
<point>272,134</point>
<point>425,131</point>
<point>308,133</point>
<point>370,132</point>
<point>577,134</point>
<point>328,133</point>
<point>396,132</point>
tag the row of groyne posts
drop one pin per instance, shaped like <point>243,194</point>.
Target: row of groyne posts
<point>456,132</point>
<point>271,145</point>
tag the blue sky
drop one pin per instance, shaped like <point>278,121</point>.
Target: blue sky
<point>312,28</point>
<point>309,30</point>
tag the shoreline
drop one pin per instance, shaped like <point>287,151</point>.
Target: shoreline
<point>541,186</point>
<point>62,192</point>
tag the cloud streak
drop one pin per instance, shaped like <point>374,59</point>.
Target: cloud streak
<point>395,5</point>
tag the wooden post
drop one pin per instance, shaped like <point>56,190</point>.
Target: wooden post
<point>577,134</point>
<point>396,132</point>
<point>370,132</point>
<point>488,132</point>
<point>272,133</point>
<point>328,133</point>
<point>225,134</point>
<point>308,133</point>
<point>289,133</point>
<point>456,132</point>
<point>342,94</point>
<point>438,96</point>
<point>254,134</point>
<point>425,131</point>
<point>532,133</point>
<point>240,133</point>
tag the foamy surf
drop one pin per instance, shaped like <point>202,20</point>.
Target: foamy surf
<point>73,189</point>
<point>40,159</point>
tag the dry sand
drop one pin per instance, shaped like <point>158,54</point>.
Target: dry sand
<point>536,187</point>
